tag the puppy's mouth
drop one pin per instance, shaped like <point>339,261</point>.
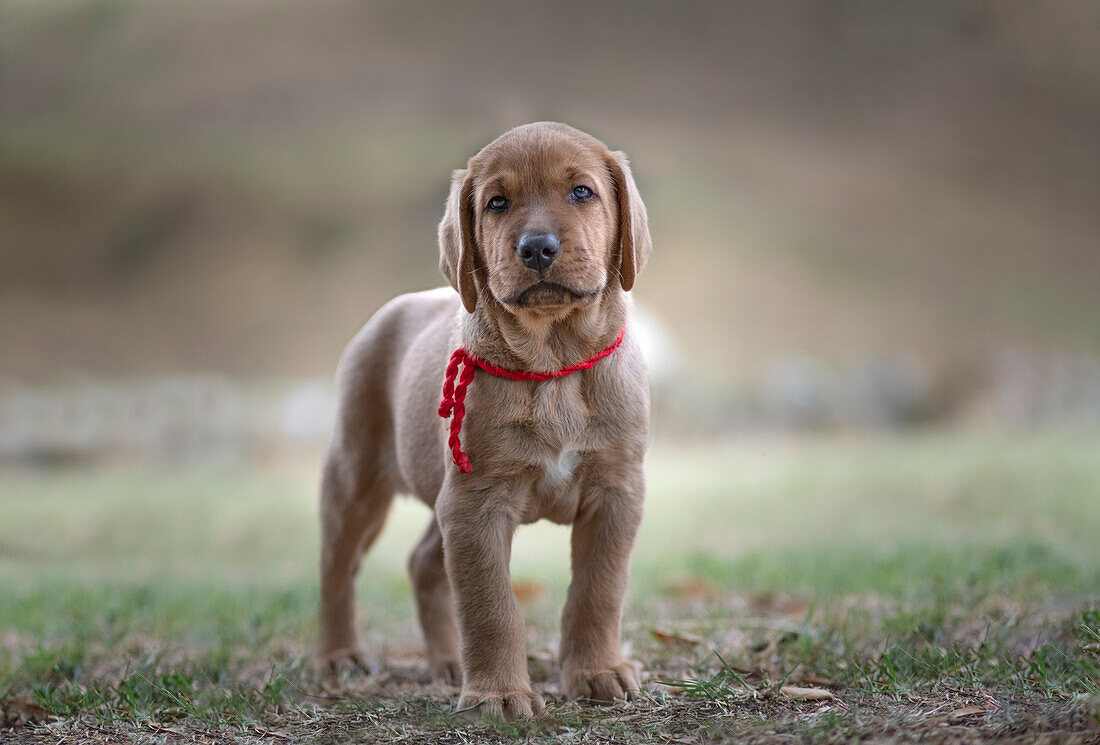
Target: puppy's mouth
<point>550,294</point>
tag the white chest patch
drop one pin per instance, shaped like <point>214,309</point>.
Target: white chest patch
<point>559,472</point>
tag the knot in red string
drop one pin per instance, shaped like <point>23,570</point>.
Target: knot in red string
<point>454,393</point>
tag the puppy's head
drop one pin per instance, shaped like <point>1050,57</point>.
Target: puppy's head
<point>544,218</point>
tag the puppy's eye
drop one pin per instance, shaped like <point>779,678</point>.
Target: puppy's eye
<point>497,204</point>
<point>581,194</point>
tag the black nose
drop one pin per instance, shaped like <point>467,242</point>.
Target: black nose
<point>538,250</point>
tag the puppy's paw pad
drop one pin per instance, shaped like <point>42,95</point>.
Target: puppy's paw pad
<point>507,705</point>
<point>619,682</point>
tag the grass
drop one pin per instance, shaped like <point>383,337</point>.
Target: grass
<point>928,587</point>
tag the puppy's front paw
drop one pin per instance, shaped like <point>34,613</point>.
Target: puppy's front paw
<point>506,705</point>
<point>617,682</point>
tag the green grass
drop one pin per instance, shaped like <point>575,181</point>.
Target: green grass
<point>911,576</point>
<point>920,656</point>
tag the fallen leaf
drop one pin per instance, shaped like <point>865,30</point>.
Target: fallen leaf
<point>807,694</point>
<point>770,602</point>
<point>526,591</point>
<point>691,587</point>
<point>966,711</point>
<point>672,638</point>
<point>19,712</point>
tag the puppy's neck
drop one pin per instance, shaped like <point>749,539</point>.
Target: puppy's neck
<point>538,341</point>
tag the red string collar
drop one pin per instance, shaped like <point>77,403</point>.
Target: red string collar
<point>454,394</point>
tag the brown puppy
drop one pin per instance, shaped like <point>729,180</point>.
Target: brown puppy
<point>542,235</point>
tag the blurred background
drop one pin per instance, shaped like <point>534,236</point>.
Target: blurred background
<point>876,231</point>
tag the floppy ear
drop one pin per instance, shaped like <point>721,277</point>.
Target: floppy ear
<point>634,241</point>
<point>456,239</point>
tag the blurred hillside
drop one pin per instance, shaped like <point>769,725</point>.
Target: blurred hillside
<point>234,187</point>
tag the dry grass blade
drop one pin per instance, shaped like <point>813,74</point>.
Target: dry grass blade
<point>967,711</point>
<point>268,733</point>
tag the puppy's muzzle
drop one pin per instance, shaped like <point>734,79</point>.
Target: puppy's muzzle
<point>538,250</point>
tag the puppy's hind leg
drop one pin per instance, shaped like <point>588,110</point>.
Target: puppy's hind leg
<point>353,510</point>
<point>435,607</point>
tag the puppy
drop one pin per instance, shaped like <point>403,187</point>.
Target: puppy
<point>542,236</point>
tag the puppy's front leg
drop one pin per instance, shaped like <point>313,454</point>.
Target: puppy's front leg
<point>592,662</point>
<point>477,527</point>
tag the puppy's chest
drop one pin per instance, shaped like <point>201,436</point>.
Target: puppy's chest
<point>551,423</point>
<point>545,414</point>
